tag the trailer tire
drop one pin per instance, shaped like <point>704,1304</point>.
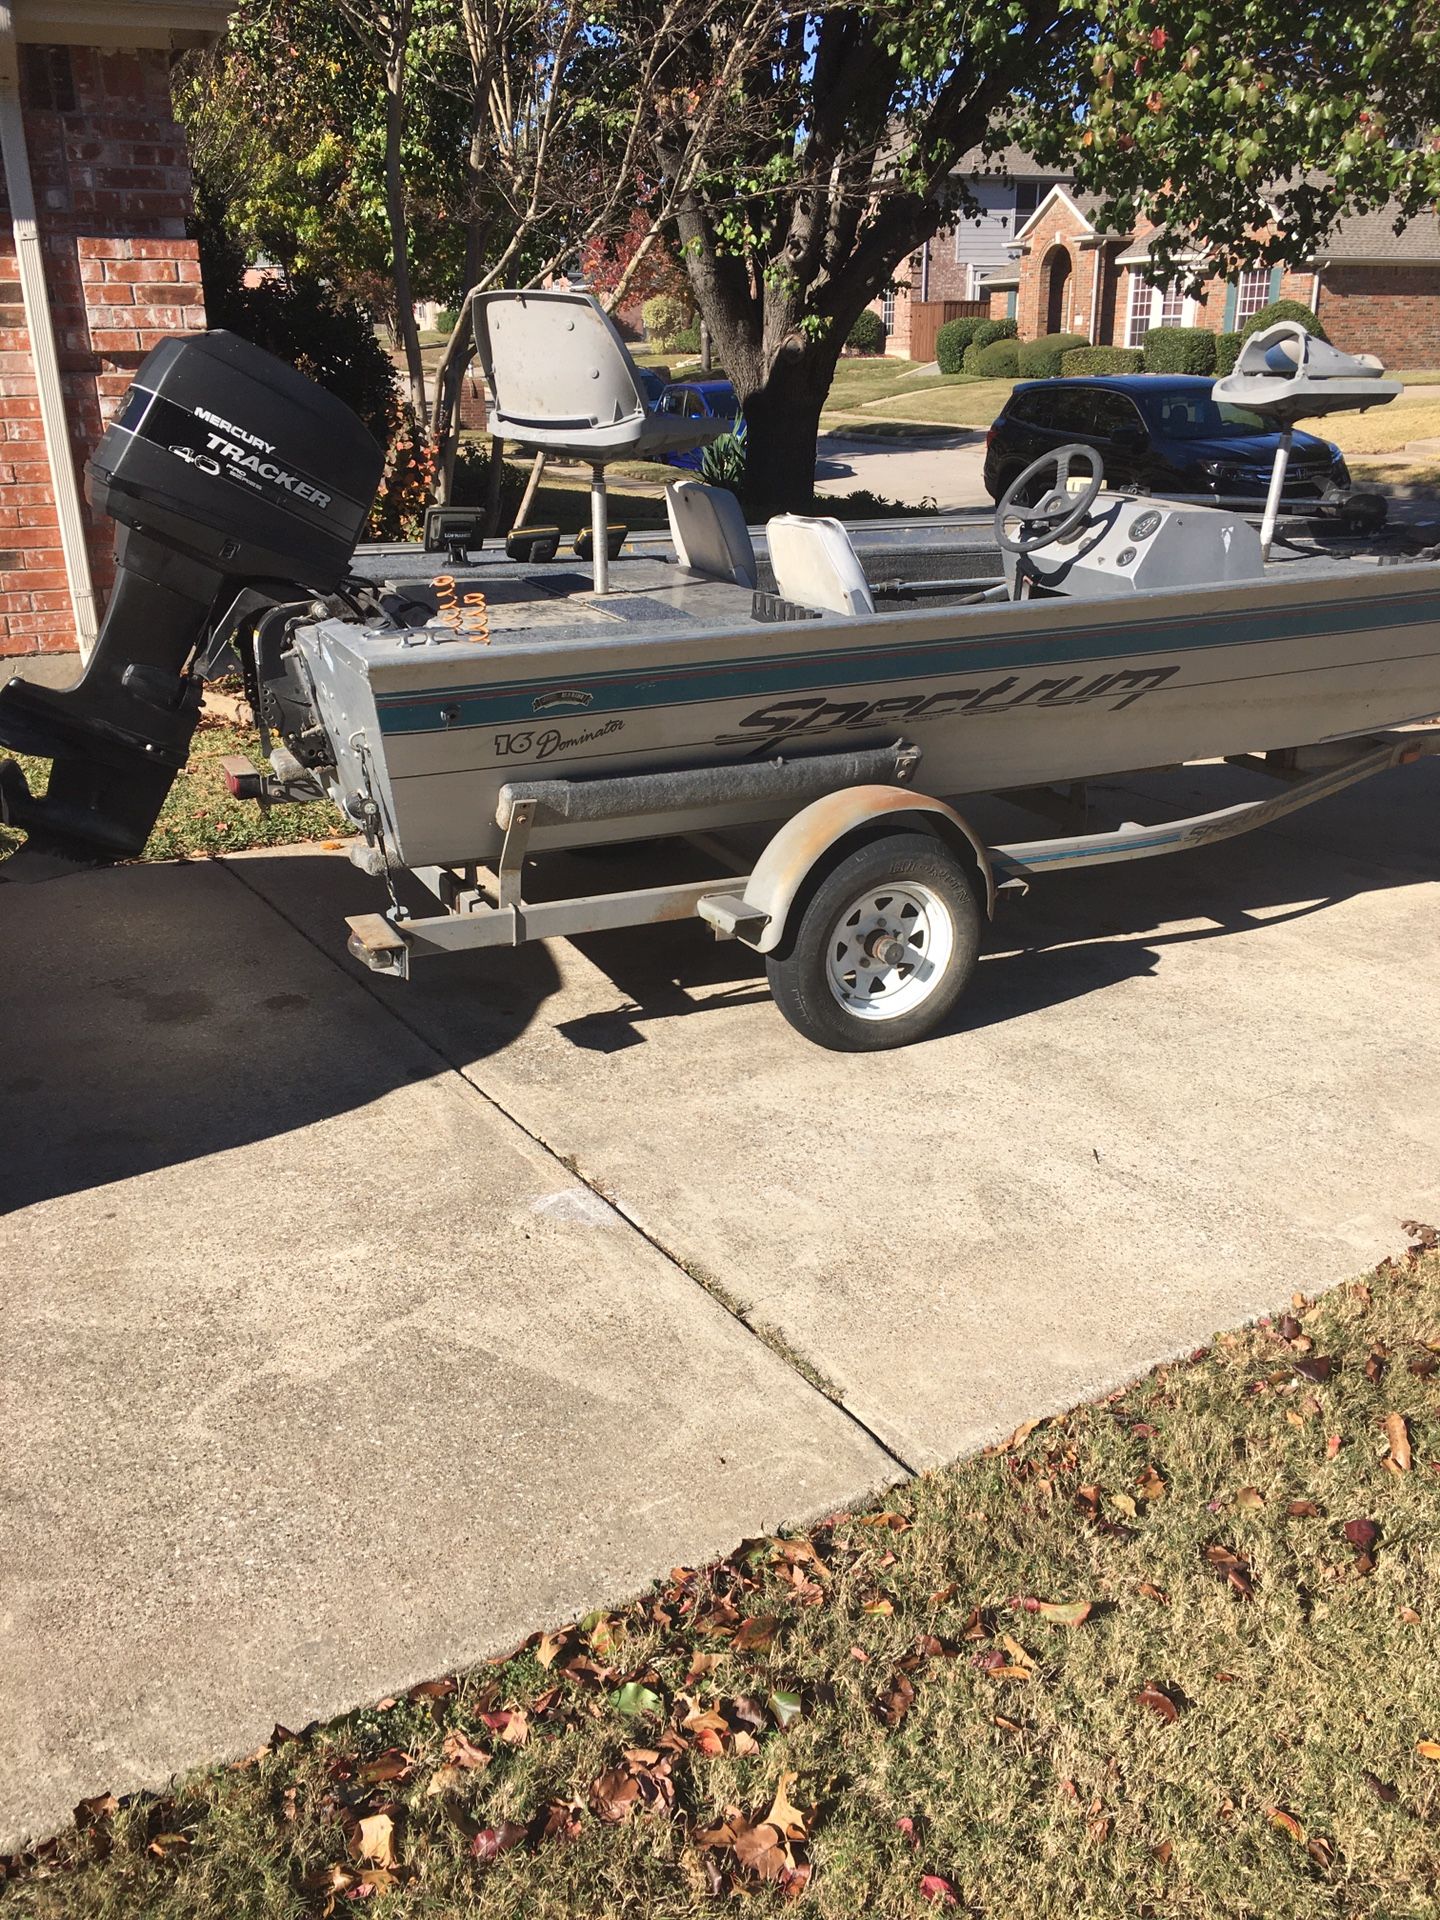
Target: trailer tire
<point>883,947</point>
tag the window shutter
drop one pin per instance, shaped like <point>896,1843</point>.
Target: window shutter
<point>1232,297</point>
<point>1275,273</point>
<point>1012,301</point>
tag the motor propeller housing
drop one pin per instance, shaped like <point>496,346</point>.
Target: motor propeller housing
<point>223,469</point>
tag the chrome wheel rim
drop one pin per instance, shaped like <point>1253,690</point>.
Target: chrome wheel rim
<point>889,950</point>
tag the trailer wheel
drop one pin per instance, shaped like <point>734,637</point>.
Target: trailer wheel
<point>883,948</point>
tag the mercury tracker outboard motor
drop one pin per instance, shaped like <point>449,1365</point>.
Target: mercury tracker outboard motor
<point>235,483</point>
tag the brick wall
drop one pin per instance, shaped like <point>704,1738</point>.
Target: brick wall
<point>1391,311</point>
<point>112,191</point>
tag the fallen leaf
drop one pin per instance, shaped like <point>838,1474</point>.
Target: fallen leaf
<point>1382,1789</point>
<point>1304,1510</point>
<point>896,1701</point>
<point>1124,1504</point>
<point>1159,1703</point>
<point>1317,1368</point>
<point>632,1698</point>
<point>1376,1364</point>
<point>1281,1817</point>
<point>462,1751</point>
<point>99,1807</point>
<point>757,1633</point>
<point>551,1645</point>
<point>491,1841</point>
<point>613,1796</point>
<point>1233,1568</point>
<point>1398,1436</point>
<point>897,1522</point>
<point>1428,1749</point>
<point>1011,1673</point>
<point>935,1887</point>
<point>877,1603</point>
<point>1152,1592</point>
<point>759,1850</point>
<point>1250,1498</point>
<point>1287,1326</point>
<point>1361,1533</point>
<point>393,1764</point>
<point>1065,1613</point>
<point>374,1842</point>
<point>784,1707</point>
<point>1023,1432</point>
<point>1422,1365</point>
<point>1409,1616</point>
<point>1150,1485</point>
<point>1332,1446</point>
<point>1165,1852</point>
<point>701,1664</point>
<point>785,1818</point>
<point>511,1725</point>
<point>423,1690</point>
<point>1321,1850</point>
<point>164,1845</point>
<point>445,1779</point>
<point>1016,1652</point>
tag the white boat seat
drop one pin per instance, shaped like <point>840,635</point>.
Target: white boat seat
<point>710,533</point>
<point>561,379</point>
<point>815,564</point>
<point>562,382</point>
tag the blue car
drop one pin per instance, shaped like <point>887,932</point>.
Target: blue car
<point>1165,434</point>
<point>701,400</point>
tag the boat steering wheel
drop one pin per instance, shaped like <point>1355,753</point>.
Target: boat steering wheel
<point>1057,511</point>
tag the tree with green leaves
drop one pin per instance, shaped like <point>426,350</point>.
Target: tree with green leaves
<point>831,162</point>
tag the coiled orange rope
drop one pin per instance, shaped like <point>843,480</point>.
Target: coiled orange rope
<point>470,617</point>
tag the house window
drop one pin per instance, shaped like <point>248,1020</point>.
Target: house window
<point>887,310</point>
<point>1152,306</point>
<point>1253,294</point>
<point>1028,195</point>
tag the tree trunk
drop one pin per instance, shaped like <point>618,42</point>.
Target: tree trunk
<point>400,236</point>
<point>782,425</point>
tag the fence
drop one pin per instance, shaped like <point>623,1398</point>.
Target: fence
<point>928,316</point>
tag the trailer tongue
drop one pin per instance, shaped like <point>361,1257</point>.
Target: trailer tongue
<point>236,485</point>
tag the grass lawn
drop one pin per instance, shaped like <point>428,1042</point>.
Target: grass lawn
<point>200,816</point>
<point>1384,429</point>
<point>1172,1654</point>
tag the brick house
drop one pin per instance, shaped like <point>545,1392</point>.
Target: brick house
<point>95,268</point>
<point>1375,291</point>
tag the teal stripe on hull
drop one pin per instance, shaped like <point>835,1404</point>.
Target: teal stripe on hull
<point>762,676</point>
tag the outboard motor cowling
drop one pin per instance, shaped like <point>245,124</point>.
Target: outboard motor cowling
<point>224,468</point>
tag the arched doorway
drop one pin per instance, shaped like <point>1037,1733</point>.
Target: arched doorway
<point>1055,288</point>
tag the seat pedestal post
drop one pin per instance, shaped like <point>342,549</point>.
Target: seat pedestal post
<point>600,528</point>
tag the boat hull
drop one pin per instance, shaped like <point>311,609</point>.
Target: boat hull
<point>995,696</point>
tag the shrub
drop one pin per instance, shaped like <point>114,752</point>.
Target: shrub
<point>1227,351</point>
<point>1284,310</point>
<point>868,333</point>
<point>1000,360</point>
<point>1040,359</point>
<point>666,315</point>
<point>407,485</point>
<point>991,330</point>
<point>1179,350</point>
<point>446,318</point>
<point>952,340</point>
<point>1102,360</point>
<point>723,463</point>
<point>686,341</point>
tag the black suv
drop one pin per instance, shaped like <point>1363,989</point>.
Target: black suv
<point>1165,434</point>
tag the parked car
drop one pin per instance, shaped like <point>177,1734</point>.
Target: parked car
<point>701,400</point>
<point>652,385</point>
<point>1165,434</point>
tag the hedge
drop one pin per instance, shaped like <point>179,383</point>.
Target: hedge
<point>991,330</point>
<point>1227,351</point>
<point>666,315</point>
<point>1000,360</point>
<point>1284,310</point>
<point>1179,350</point>
<point>1102,360</point>
<point>952,340</point>
<point>868,333</point>
<point>1040,359</point>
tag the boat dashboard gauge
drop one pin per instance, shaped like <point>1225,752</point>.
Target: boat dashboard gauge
<point>1143,525</point>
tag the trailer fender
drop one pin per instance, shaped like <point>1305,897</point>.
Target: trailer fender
<point>806,841</point>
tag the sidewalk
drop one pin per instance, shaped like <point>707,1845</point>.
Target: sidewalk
<point>357,1328</point>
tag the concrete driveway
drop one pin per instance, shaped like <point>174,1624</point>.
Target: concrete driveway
<point>901,461</point>
<point>357,1327</point>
